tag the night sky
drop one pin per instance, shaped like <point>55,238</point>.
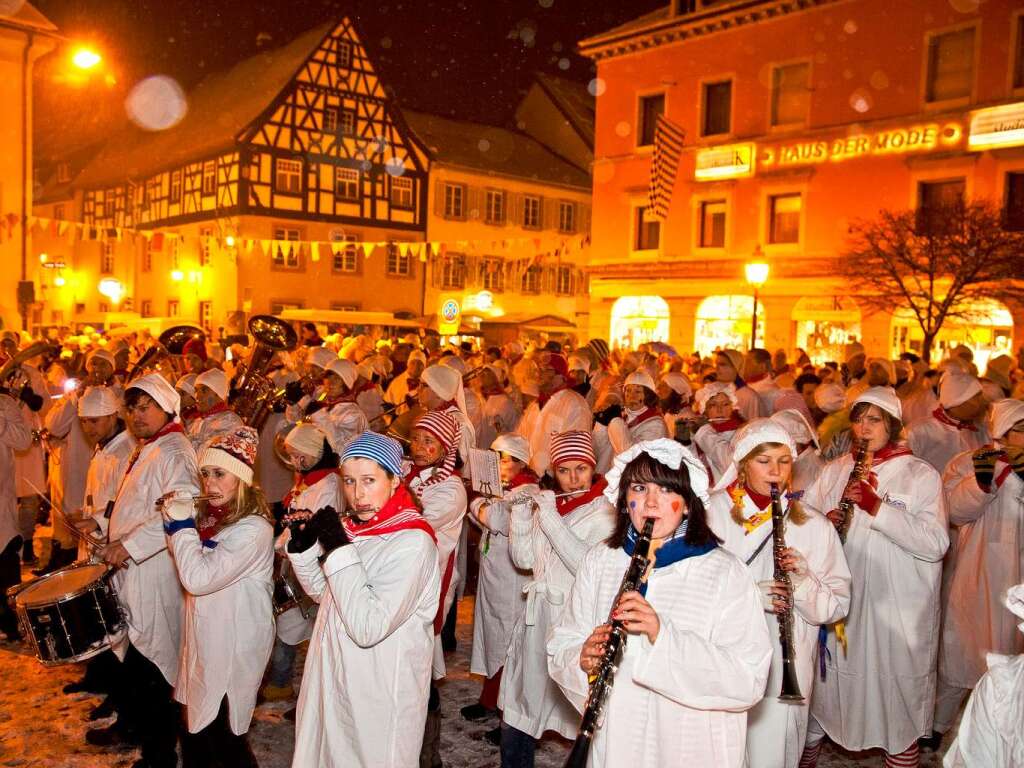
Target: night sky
<point>464,58</point>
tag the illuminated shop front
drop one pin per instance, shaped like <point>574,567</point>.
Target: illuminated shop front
<point>987,330</point>
<point>638,320</point>
<point>824,325</point>
<point>723,322</point>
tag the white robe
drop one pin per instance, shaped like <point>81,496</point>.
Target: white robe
<point>342,423</point>
<point>106,471</point>
<point>622,436</point>
<point>371,402</point>
<point>205,428</point>
<point>881,691</point>
<point>397,389</point>
<point>552,547</point>
<point>499,590</point>
<point>29,471</point>
<point>806,468</point>
<point>363,702</point>
<point>937,443</point>
<point>682,700</point>
<point>992,727</point>
<point>148,587</point>
<point>749,404</point>
<point>716,448</point>
<point>565,411</point>
<point>990,560</point>
<point>776,730</point>
<point>14,436</point>
<point>228,630</point>
<point>69,461</point>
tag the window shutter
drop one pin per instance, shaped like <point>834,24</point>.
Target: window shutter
<point>549,219</point>
<point>439,199</point>
<point>584,224</point>
<point>475,200</point>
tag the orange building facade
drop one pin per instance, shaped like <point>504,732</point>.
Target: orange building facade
<point>800,118</point>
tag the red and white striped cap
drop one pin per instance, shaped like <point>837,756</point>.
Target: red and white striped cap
<point>442,426</point>
<point>576,445</point>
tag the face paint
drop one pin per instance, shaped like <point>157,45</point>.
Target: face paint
<point>675,506</point>
<point>632,505</point>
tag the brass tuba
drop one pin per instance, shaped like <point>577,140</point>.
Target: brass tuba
<point>254,393</point>
<point>171,344</point>
<point>12,379</point>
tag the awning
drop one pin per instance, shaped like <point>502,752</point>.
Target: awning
<point>347,317</point>
<point>544,323</point>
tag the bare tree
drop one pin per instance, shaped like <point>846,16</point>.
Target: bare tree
<point>936,262</point>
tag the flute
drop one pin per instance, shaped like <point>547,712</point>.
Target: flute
<point>523,498</point>
<point>194,499</point>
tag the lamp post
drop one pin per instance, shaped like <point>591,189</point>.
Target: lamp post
<point>757,275</point>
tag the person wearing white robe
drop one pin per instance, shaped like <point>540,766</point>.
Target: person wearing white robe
<point>955,425</point>
<point>366,681</point>
<point>341,419</point>
<point>717,403</point>
<point>879,691</point>
<point>215,417</point>
<point>550,541</point>
<point>641,417</point>
<point>500,413</point>
<point>14,436</point>
<point>225,561</point>
<point>697,652</point>
<point>728,367</point>
<point>808,464</point>
<point>992,727</point>
<point>740,515</point>
<point>984,492</point>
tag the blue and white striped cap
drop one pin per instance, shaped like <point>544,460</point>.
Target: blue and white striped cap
<point>386,451</point>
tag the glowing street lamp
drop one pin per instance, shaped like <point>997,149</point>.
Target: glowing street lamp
<point>757,275</point>
<point>112,289</point>
<point>85,58</point>
<point>177,275</point>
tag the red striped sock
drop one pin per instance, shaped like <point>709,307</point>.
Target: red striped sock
<point>908,758</point>
<point>809,759</point>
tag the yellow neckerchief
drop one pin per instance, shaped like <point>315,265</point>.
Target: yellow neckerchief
<point>755,521</point>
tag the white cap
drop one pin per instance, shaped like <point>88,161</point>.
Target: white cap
<point>187,384</point>
<point>641,378</point>
<point>884,397</point>
<point>98,401</point>
<point>321,357</point>
<point>797,425</point>
<point>678,383</point>
<point>307,438</point>
<point>345,370</point>
<point>830,397</point>
<point>1003,415</point>
<point>216,380</point>
<point>668,452</point>
<point>444,380</point>
<point>456,362</point>
<point>577,363</point>
<point>747,438</point>
<point>711,389</point>
<point>158,388</point>
<point>513,444</point>
<point>957,388</point>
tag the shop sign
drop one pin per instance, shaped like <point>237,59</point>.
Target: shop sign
<point>727,162</point>
<point>448,317</point>
<point>997,127</point>
<point>917,138</point>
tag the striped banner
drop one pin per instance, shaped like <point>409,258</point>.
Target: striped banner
<point>668,146</point>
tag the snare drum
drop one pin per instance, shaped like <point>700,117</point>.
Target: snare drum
<point>288,593</point>
<point>71,614</point>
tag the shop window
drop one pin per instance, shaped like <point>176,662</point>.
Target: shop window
<point>646,230</point>
<point>651,108</point>
<point>717,108</point>
<point>934,201</point>
<point>724,322</point>
<point>784,219</point>
<point>639,320</point>
<point>712,224</point>
<point>824,325</point>
<point>791,94</point>
<point>986,328</point>
<point>950,65</point>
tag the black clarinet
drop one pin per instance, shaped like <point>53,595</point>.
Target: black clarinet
<point>790,685</point>
<point>601,681</point>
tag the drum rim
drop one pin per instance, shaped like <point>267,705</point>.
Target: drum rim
<point>107,644</point>
<point>63,598</point>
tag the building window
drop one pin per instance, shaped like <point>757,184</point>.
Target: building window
<point>399,264</point>
<point>531,280</point>
<point>103,306</point>
<point>288,179</point>
<point>286,256</point>
<point>712,224</point>
<point>495,213</point>
<point>717,108</point>
<point>563,281</point>
<point>647,234</point>
<point>651,108</point>
<point>934,201</point>
<point>950,65</point>
<point>346,260</point>
<point>566,216</point>
<point>453,271</point>
<point>175,186</point>
<point>791,95</point>
<point>401,192</point>
<point>172,307</point>
<point>344,55</point>
<point>98,211</point>
<point>277,306</point>
<point>147,258</point>
<point>205,235</point>
<point>209,177</point>
<point>330,120</point>
<point>58,212</point>
<point>1014,212</point>
<point>107,259</point>
<point>153,190</point>
<point>206,316</point>
<point>1018,60</point>
<point>531,212</point>
<point>147,308</point>
<point>63,173</point>
<point>454,201</point>
<point>784,218</point>
<point>346,184</point>
<point>348,122</point>
<point>492,276</point>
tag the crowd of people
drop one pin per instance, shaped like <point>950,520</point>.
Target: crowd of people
<point>854,529</point>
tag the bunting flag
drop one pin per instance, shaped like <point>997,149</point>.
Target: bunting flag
<point>668,147</point>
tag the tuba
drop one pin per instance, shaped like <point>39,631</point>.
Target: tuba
<point>12,379</point>
<point>254,394</point>
<point>171,344</point>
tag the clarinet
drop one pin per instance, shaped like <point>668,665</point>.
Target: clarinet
<point>601,681</point>
<point>790,685</point>
<point>861,467</point>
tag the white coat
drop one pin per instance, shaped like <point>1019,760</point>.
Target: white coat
<point>228,630</point>
<point>767,391</point>
<point>148,587</point>
<point>749,404</point>
<point>937,443</point>
<point>565,411</point>
<point>776,730</point>
<point>990,560</point>
<point>806,468</point>
<point>371,402</point>
<point>14,436</point>
<point>552,547</point>
<point>363,702</point>
<point>682,700</point>
<point>622,435</point>
<point>992,727</point>
<point>69,459</point>
<point>716,449</point>
<point>444,507</point>
<point>29,471</point>
<point>106,471</point>
<point>880,692</point>
<point>342,423</point>
<point>205,428</point>
<point>274,478</point>
<point>499,591</point>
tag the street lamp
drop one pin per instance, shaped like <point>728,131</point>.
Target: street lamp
<point>757,275</point>
<point>85,58</point>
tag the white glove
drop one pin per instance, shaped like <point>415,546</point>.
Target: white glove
<point>179,507</point>
<point>546,501</point>
<point>523,510</point>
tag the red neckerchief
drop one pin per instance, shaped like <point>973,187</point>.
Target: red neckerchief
<point>760,500</point>
<point>890,451</point>
<point>756,378</point>
<point>400,513</point>
<point>211,521</point>
<point>304,480</point>
<point>646,415</point>
<point>944,418</point>
<point>542,400</point>
<point>218,408</point>
<point>525,477</point>
<point>567,504</point>
<point>167,429</point>
<point>734,422</point>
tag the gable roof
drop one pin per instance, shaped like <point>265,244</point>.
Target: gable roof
<point>27,16</point>
<point>219,108</point>
<point>485,148</point>
<point>574,101</point>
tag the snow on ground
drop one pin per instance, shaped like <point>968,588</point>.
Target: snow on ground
<point>42,727</point>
